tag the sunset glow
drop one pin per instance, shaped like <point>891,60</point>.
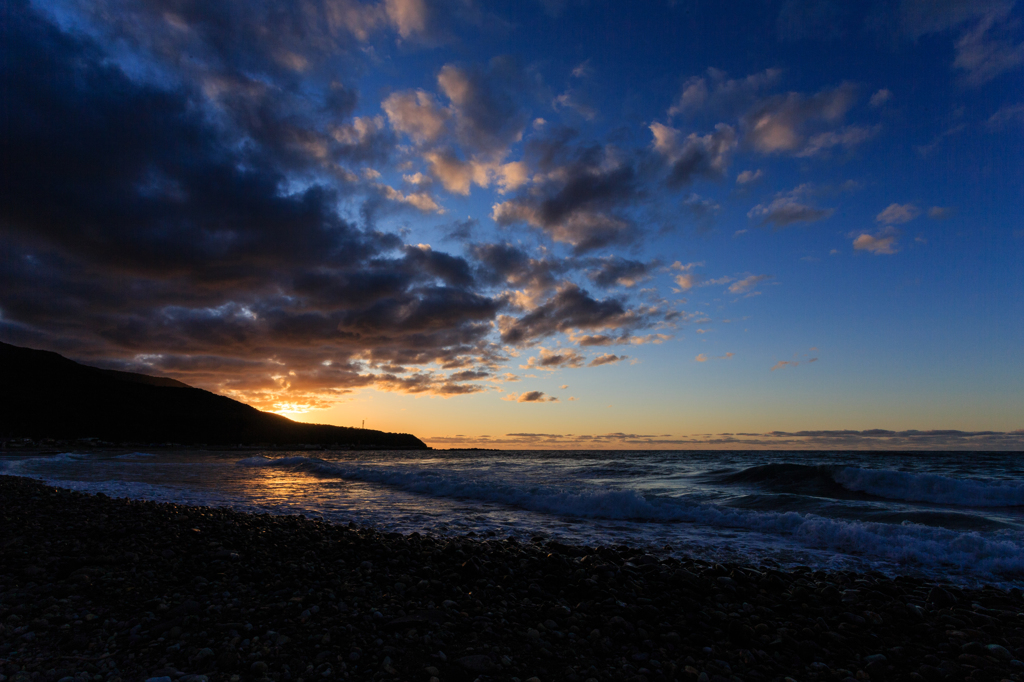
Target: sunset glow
<point>548,224</point>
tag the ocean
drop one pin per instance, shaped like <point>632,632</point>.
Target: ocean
<point>955,517</point>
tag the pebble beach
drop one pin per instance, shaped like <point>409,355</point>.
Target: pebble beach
<point>95,588</point>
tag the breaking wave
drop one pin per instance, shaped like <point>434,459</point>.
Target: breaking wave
<point>1001,552</point>
<point>840,481</point>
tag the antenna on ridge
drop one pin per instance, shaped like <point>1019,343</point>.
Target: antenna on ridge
<point>364,424</point>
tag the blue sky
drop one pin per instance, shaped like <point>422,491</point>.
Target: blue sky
<point>534,224</point>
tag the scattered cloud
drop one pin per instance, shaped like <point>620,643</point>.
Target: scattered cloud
<point>746,177</point>
<point>880,243</point>
<point>612,271</point>
<point>747,283</point>
<point>554,359</point>
<point>788,208</point>
<point>607,359</point>
<point>939,212</point>
<point>783,123</point>
<point>701,357</point>
<point>988,49</point>
<point>717,94</point>
<point>880,97</point>
<point>896,214</point>
<point>534,397</point>
<point>1008,113</point>
<point>868,439</point>
<point>847,137</point>
<point>695,155</point>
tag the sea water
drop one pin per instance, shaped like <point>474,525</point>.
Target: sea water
<point>955,516</point>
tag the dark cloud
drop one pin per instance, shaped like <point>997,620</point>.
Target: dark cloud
<point>503,263</point>
<point>536,397</point>
<point>613,271</point>
<point>555,359</point>
<point>704,156</point>
<point>607,359</point>
<point>790,207</point>
<point>487,102</point>
<point>573,309</point>
<point>136,227</point>
<point>581,195</point>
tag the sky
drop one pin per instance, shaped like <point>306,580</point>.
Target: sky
<point>533,224</point>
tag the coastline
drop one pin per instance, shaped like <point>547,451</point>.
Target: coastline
<point>107,589</point>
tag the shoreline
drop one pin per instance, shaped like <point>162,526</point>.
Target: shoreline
<point>117,589</point>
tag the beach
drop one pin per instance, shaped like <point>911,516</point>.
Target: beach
<point>99,588</point>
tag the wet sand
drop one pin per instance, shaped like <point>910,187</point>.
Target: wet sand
<point>98,589</point>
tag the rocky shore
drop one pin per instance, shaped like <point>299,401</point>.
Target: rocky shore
<point>98,589</point>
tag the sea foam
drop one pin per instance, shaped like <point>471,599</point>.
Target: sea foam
<point>1001,552</point>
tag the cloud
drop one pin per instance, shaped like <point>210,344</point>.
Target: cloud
<point>572,309</point>
<point>1008,113</point>
<point>201,247</point>
<point>408,16</point>
<point>607,359</point>
<point>868,439</point>
<point>687,279</point>
<point>583,70</point>
<point>570,100</point>
<point>783,123</point>
<point>882,242</point>
<point>555,359</point>
<point>880,97</point>
<point>695,156</point>
<point>715,93</point>
<point>988,50</point>
<point>939,212</point>
<point>486,104</point>
<point>746,177</point>
<point>701,357</point>
<point>847,137</point>
<point>535,397</point>
<point>896,214</point>
<point>611,271</point>
<point>417,114</point>
<point>788,208</point>
<point>577,197</point>
<point>747,283</point>
<point>503,263</point>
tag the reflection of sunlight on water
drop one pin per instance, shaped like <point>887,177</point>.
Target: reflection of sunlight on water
<point>218,479</point>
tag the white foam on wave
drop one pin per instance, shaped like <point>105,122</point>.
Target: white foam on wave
<point>911,487</point>
<point>1000,552</point>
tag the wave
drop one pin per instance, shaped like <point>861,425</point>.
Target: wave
<point>839,481</point>
<point>902,485</point>
<point>1001,552</point>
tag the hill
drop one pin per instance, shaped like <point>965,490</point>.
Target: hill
<point>45,395</point>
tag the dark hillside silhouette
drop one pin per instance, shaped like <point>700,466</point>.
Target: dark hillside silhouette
<point>45,395</point>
